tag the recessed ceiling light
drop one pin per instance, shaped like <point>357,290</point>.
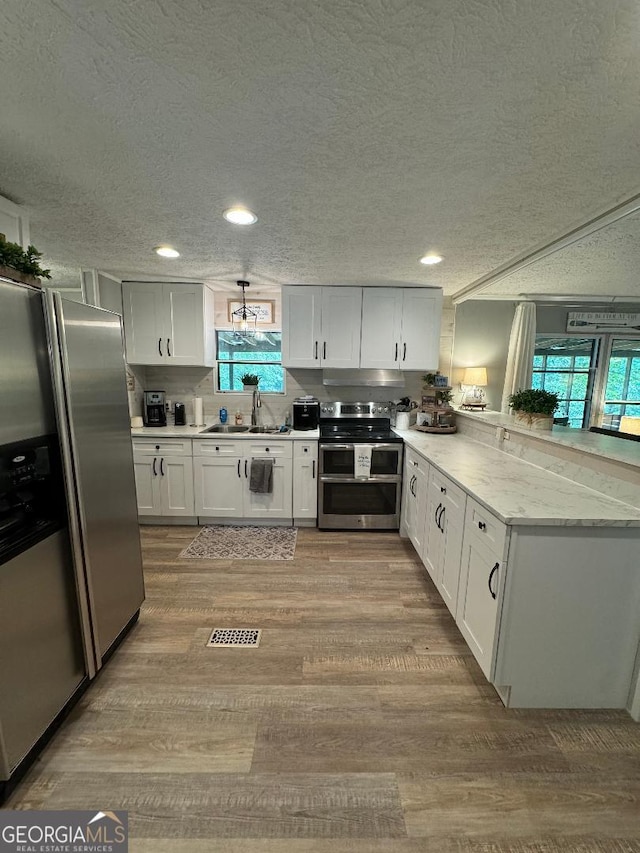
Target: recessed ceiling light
<point>430,259</point>
<point>167,251</point>
<point>240,216</point>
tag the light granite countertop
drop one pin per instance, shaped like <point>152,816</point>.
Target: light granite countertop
<point>171,431</point>
<point>516,491</point>
<point>593,443</point>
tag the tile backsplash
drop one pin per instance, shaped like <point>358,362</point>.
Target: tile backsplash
<point>182,384</point>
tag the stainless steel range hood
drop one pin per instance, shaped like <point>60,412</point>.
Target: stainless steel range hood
<point>367,377</point>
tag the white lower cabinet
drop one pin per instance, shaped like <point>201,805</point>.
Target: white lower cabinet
<point>479,605</point>
<point>443,537</point>
<point>416,477</point>
<point>164,484</point>
<point>222,474</point>
<point>305,479</point>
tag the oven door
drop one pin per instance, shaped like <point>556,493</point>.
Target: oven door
<point>359,504</point>
<point>338,460</point>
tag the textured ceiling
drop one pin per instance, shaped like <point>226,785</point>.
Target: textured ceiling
<point>606,262</point>
<point>362,132</point>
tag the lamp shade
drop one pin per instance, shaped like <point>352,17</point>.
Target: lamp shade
<point>475,376</point>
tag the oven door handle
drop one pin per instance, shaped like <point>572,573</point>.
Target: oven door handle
<point>347,481</point>
<point>337,446</point>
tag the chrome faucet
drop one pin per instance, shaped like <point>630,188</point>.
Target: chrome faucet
<point>256,403</point>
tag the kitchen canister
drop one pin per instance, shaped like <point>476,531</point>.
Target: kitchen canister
<point>402,420</point>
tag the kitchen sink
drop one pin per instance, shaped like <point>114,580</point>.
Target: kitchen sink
<point>226,428</point>
<point>268,430</point>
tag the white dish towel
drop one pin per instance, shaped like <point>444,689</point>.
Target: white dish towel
<point>362,461</point>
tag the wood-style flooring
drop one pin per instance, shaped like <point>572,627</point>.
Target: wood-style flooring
<point>361,724</point>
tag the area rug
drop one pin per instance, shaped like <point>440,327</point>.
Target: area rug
<point>227,542</point>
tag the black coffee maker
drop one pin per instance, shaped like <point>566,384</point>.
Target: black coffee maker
<point>153,412</point>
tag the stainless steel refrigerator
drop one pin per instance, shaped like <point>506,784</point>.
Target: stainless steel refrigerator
<point>70,565</point>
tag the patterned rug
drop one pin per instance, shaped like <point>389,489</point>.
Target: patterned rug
<point>226,542</point>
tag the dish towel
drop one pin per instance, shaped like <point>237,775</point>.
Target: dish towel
<point>261,479</point>
<point>362,461</point>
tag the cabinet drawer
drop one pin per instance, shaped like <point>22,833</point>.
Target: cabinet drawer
<point>274,449</point>
<point>162,446</point>
<point>413,460</point>
<point>217,447</point>
<point>305,450</point>
<point>481,524</point>
<point>446,488</point>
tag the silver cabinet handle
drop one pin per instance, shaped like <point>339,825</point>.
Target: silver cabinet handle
<point>160,346</point>
<point>168,347</point>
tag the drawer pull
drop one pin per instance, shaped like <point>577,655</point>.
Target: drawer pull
<point>217,448</point>
<point>157,447</point>
<point>482,525</point>
<point>443,490</point>
<point>491,574</point>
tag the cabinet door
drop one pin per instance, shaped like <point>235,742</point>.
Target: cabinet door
<point>219,486</point>
<point>184,327</point>
<point>421,316</point>
<point>176,485</point>
<point>452,527</point>
<point>277,504</point>
<point>341,324</point>
<point>381,327</point>
<point>144,330</point>
<point>432,550</point>
<point>305,481</point>
<point>147,475</point>
<point>301,326</point>
<point>479,601</point>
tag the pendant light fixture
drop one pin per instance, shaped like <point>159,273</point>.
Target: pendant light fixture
<point>244,320</point>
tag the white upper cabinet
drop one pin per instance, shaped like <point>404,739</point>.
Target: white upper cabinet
<point>341,317</point>
<point>374,327</point>
<point>321,326</point>
<point>401,328</point>
<point>301,326</point>
<point>168,323</point>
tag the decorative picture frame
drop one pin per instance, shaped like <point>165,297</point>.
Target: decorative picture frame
<point>264,308</point>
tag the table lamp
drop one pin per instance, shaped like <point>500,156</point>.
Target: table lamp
<point>475,378</point>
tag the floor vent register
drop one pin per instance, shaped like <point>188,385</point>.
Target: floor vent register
<point>235,638</point>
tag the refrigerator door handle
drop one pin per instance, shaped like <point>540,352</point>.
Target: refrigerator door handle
<point>56,345</point>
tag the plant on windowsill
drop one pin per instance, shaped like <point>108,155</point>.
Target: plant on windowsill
<point>534,407</point>
<point>20,265</point>
<point>249,381</point>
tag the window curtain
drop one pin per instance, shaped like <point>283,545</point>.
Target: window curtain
<point>522,344</point>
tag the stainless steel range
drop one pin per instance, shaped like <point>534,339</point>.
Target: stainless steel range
<point>360,468</point>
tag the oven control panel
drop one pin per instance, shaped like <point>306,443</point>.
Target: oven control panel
<point>351,410</point>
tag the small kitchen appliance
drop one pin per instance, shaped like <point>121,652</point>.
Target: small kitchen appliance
<point>153,413</point>
<point>360,467</point>
<point>180,415</point>
<point>306,413</point>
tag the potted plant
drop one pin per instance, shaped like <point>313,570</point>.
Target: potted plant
<point>249,381</point>
<point>21,265</point>
<point>534,407</point>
